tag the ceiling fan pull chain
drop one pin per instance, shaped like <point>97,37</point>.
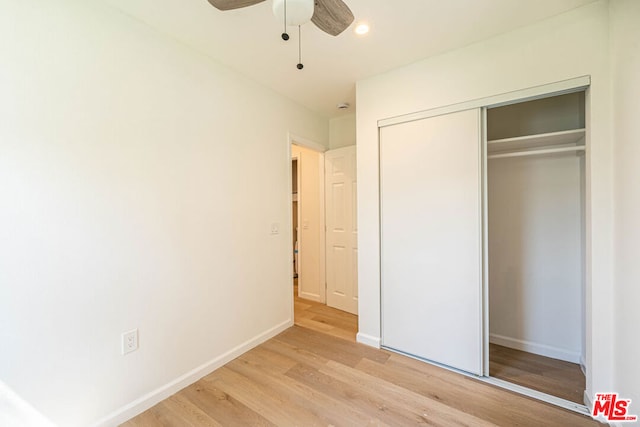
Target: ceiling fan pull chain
<point>285,36</point>
<point>300,66</point>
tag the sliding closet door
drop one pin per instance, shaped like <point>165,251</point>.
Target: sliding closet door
<point>431,239</point>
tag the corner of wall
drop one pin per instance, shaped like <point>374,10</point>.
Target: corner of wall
<point>342,131</point>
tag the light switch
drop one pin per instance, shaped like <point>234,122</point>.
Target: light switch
<point>275,228</point>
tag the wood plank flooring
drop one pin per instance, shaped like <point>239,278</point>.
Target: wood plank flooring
<point>318,317</point>
<point>551,376</point>
<point>314,374</point>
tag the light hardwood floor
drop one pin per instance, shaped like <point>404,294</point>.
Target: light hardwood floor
<point>551,376</point>
<point>320,318</point>
<point>314,374</point>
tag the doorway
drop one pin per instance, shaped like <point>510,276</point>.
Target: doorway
<point>294,216</point>
<point>308,223</point>
<point>324,242</point>
<point>324,226</point>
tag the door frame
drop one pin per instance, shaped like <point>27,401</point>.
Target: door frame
<point>293,139</point>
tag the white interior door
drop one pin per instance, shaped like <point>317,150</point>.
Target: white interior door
<point>430,188</point>
<point>342,233</point>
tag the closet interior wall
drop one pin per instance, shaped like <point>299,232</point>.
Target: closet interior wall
<point>536,223</point>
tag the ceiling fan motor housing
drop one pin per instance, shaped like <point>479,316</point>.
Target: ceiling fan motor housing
<point>298,11</point>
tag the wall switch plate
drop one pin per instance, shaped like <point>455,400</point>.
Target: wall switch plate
<point>129,341</point>
<point>275,228</point>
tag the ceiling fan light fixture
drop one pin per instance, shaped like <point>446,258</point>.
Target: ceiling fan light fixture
<point>298,11</point>
<point>362,29</point>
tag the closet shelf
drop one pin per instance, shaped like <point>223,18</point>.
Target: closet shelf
<point>567,138</point>
<point>576,148</point>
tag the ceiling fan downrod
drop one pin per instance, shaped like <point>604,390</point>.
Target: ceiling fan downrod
<point>300,66</point>
<point>285,36</point>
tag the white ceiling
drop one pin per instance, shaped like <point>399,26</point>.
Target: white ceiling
<point>402,31</point>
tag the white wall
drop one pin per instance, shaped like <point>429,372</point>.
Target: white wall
<point>566,46</point>
<point>16,412</point>
<point>342,131</point>
<point>625,62</point>
<point>535,254</point>
<point>311,266</point>
<point>138,185</point>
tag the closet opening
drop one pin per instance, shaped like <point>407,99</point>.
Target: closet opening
<point>535,244</point>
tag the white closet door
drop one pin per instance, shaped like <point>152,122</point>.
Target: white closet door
<point>431,239</point>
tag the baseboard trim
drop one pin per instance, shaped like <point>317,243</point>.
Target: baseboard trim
<point>535,348</point>
<point>145,402</point>
<point>369,340</point>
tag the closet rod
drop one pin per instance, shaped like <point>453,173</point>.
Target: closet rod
<point>535,152</point>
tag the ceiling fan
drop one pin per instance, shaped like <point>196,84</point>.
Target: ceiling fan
<point>331,16</point>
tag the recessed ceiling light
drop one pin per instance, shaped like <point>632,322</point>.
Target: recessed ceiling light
<point>362,29</point>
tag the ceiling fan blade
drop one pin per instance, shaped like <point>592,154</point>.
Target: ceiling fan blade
<point>332,16</point>
<point>232,4</point>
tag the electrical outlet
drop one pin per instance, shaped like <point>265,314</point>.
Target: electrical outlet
<point>129,341</point>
